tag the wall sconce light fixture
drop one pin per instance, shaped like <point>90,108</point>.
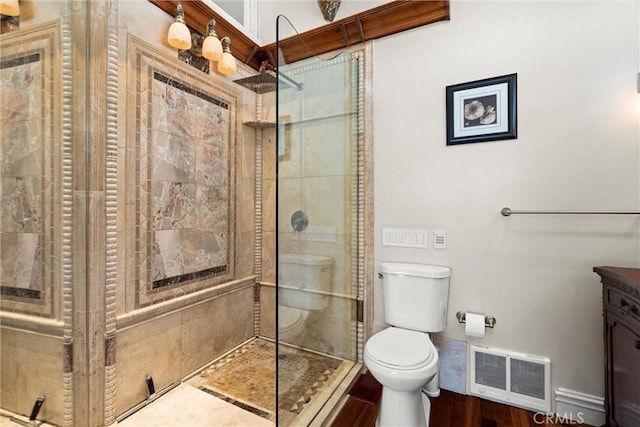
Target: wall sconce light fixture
<point>10,7</point>
<point>209,47</point>
<point>179,35</point>
<point>227,63</point>
<point>212,47</point>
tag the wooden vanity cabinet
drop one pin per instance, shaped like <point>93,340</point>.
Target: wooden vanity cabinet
<point>621,308</point>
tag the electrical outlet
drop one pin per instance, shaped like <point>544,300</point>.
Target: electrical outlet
<point>439,239</point>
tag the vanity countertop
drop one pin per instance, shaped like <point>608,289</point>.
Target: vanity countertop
<point>629,276</point>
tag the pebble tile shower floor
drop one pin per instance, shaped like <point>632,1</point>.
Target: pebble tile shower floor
<point>246,378</point>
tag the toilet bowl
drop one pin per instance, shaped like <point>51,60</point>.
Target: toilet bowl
<point>304,282</point>
<point>404,362</point>
<point>402,357</point>
<point>291,324</point>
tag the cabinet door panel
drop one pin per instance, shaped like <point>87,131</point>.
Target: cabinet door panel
<point>625,373</point>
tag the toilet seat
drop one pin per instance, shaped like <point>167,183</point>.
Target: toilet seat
<point>400,349</point>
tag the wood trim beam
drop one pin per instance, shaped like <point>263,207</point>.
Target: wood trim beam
<point>384,20</point>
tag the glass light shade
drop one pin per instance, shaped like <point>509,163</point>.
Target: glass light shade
<point>10,7</point>
<point>227,64</point>
<point>212,48</point>
<point>179,36</point>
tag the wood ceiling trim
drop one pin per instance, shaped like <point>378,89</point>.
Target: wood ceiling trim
<point>384,20</point>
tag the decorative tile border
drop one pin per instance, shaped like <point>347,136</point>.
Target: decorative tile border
<point>112,162</point>
<point>176,280</point>
<point>20,292</point>
<point>239,404</point>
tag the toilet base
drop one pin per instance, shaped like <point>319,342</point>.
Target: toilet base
<point>407,409</point>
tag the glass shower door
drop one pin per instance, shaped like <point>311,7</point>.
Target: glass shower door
<point>317,226</point>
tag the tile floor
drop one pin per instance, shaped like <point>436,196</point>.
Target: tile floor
<point>186,405</point>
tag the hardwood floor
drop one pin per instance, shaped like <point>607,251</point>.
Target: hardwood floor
<point>450,410</point>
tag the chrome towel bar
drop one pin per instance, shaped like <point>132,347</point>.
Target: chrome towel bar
<point>508,212</point>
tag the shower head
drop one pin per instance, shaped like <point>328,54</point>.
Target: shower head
<point>261,83</point>
<point>267,80</point>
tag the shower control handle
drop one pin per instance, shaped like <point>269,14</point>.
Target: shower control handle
<point>299,221</point>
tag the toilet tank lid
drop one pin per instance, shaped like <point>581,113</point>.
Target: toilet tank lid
<point>418,270</point>
<point>305,259</point>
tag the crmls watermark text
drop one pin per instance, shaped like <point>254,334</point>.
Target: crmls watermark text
<point>570,418</point>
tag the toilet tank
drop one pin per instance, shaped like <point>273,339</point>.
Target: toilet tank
<point>304,280</point>
<point>415,296</point>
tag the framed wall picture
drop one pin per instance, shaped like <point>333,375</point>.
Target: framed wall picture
<point>482,110</point>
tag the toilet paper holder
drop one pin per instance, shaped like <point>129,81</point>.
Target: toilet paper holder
<point>489,321</point>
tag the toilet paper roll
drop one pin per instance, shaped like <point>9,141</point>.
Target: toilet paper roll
<point>474,325</point>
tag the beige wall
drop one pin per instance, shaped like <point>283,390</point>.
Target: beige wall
<point>577,148</point>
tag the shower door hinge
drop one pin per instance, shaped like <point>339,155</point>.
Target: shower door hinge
<point>360,311</point>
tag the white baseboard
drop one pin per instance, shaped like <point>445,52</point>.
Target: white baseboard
<point>580,407</point>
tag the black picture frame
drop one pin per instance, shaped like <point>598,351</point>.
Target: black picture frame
<point>482,110</point>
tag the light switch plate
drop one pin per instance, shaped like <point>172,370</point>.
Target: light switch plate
<point>405,237</point>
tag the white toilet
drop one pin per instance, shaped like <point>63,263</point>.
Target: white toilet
<point>303,283</point>
<point>402,357</point>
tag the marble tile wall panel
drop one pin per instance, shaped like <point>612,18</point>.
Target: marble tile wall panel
<point>30,147</point>
<point>32,366</point>
<point>332,87</point>
<point>172,346</point>
<point>269,257</point>
<point>214,327</point>
<point>245,254</point>
<point>268,311</point>
<point>190,180</point>
<point>190,200</point>
<point>269,153</point>
<point>247,151</point>
<point>246,185</point>
<point>150,348</point>
<point>268,210</point>
<point>324,147</point>
<point>268,166</point>
<point>248,197</point>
